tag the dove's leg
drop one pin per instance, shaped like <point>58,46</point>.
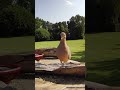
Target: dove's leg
<point>62,63</point>
<point>65,64</point>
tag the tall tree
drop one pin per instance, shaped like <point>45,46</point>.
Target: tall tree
<point>76,27</point>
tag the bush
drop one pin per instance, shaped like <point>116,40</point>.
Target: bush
<point>16,21</point>
<point>42,34</point>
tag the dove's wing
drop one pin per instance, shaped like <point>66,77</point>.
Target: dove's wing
<point>69,53</point>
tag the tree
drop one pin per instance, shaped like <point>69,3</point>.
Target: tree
<point>42,34</point>
<point>28,4</point>
<point>102,16</point>
<point>38,23</point>
<point>5,3</point>
<point>76,27</point>
<point>16,21</point>
<point>56,31</point>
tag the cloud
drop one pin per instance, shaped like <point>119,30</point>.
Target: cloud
<point>68,3</point>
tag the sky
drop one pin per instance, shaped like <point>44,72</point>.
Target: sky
<point>59,10</point>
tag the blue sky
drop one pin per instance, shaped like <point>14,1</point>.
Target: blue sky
<point>59,10</point>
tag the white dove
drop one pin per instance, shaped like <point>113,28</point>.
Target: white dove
<point>63,51</point>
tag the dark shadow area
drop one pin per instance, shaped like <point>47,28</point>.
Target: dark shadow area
<point>115,48</point>
<point>61,79</point>
<point>8,88</point>
<point>99,16</point>
<point>101,48</point>
<point>26,76</point>
<point>118,44</point>
<point>17,38</point>
<point>105,72</point>
<point>104,65</point>
<point>112,80</point>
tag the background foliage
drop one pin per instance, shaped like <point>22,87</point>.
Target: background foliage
<point>74,28</point>
<point>17,18</point>
<point>102,16</point>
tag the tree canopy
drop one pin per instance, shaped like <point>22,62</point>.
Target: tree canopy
<point>102,16</point>
<point>74,28</point>
<point>17,18</point>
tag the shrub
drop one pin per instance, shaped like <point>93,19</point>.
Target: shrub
<point>42,34</point>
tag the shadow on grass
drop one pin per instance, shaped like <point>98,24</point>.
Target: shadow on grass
<point>118,44</point>
<point>112,79</point>
<point>61,79</point>
<point>105,72</point>
<point>115,48</point>
<point>79,56</point>
<point>104,65</point>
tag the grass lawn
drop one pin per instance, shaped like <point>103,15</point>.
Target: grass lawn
<point>16,45</point>
<point>103,58</point>
<point>77,47</point>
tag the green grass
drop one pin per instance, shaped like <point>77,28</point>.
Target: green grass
<point>77,47</point>
<point>16,45</point>
<point>103,58</point>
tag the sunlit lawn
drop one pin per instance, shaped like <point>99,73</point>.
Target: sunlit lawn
<point>77,47</point>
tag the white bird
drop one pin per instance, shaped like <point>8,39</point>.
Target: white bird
<point>63,51</point>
